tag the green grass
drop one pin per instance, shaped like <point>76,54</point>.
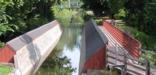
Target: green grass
<point>5,70</point>
<point>148,43</point>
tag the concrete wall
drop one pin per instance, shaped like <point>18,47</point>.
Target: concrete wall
<point>32,48</point>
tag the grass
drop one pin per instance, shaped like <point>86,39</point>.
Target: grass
<point>148,42</point>
<point>5,69</point>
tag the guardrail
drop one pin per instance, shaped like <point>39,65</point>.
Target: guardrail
<point>129,43</point>
<point>145,66</point>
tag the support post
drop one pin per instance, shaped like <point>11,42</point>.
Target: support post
<point>148,68</point>
<point>124,70</point>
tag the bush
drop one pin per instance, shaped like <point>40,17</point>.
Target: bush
<point>62,15</point>
<point>121,14</point>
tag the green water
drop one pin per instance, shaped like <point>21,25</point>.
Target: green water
<point>59,64</point>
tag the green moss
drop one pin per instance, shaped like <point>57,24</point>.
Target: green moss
<point>5,70</point>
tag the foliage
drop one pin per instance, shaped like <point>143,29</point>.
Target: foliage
<point>99,7</point>
<point>141,15</point>
<point>5,70</point>
<point>2,44</point>
<point>115,6</point>
<point>20,16</point>
<point>147,41</point>
<point>4,18</point>
<point>63,15</point>
<point>121,14</point>
<point>104,7</point>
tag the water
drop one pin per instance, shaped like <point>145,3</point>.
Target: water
<point>65,57</point>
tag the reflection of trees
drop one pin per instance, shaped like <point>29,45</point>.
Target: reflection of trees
<point>69,38</point>
<point>55,65</point>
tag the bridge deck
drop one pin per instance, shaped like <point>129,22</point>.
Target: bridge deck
<point>116,56</point>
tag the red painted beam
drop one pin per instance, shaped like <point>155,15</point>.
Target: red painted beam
<point>7,55</point>
<point>96,61</point>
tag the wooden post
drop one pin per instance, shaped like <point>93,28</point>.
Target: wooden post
<point>148,68</point>
<point>124,71</point>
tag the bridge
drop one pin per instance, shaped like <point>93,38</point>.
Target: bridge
<point>102,47</point>
<point>122,51</point>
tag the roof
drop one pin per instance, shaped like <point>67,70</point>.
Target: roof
<point>28,37</point>
<point>92,40</point>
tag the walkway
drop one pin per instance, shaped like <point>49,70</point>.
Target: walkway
<point>119,57</point>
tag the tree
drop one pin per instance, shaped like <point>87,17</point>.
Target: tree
<point>20,16</point>
<point>5,26</point>
<point>115,6</point>
<point>141,15</point>
<point>98,6</point>
<point>104,7</point>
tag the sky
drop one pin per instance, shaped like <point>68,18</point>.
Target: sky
<point>74,56</point>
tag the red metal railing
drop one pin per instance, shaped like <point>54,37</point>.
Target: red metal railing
<point>129,43</point>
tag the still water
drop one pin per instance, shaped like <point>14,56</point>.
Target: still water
<point>65,57</point>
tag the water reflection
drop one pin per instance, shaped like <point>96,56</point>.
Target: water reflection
<point>65,57</point>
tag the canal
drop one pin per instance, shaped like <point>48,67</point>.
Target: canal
<point>64,58</point>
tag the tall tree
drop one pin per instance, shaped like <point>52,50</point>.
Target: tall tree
<point>20,16</point>
<point>141,15</point>
<point>99,7</point>
<point>115,6</point>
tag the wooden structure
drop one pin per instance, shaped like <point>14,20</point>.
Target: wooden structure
<point>28,51</point>
<point>107,46</point>
<point>93,48</point>
<point>123,52</point>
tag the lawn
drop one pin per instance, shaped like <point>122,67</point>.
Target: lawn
<point>5,69</point>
